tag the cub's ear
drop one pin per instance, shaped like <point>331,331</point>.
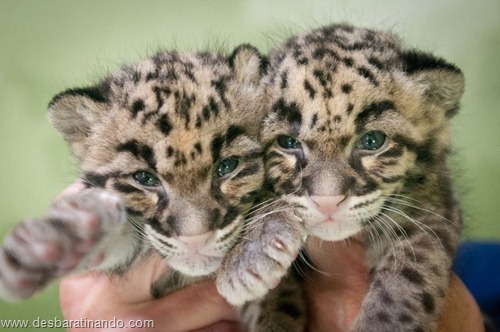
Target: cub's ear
<point>442,81</point>
<point>73,112</point>
<point>248,64</point>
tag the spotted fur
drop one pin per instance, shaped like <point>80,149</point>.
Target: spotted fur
<point>168,150</point>
<point>356,144</point>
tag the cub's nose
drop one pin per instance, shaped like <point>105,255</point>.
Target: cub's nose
<point>327,204</point>
<point>196,241</point>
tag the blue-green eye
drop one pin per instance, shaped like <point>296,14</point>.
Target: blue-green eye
<point>146,179</point>
<point>371,141</point>
<point>288,143</point>
<point>226,166</point>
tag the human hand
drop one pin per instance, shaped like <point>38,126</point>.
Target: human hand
<point>95,296</point>
<point>334,295</point>
<point>98,296</point>
<point>335,291</point>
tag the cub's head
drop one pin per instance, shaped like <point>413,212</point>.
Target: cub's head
<point>175,136</point>
<point>356,119</point>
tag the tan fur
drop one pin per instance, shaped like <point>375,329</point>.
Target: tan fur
<point>171,144</point>
<point>326,92</point>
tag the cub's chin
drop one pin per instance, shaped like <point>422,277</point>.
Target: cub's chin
<point>195,265</point>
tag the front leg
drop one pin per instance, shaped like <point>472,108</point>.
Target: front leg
<point>74,234</point>
<point>408,287</point>
<point>261,258</point>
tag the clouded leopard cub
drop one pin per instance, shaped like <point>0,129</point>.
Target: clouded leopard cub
<point>356,144</point>
<point>167,148</point>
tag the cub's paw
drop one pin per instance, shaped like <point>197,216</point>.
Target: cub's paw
<point>258,263</point>
<point>38,251</point>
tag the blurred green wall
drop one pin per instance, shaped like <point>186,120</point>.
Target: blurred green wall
<point>48,46</point>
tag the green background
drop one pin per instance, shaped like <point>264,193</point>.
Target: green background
<point>48,46</point>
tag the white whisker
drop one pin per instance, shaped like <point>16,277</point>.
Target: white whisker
<point>423,227</point>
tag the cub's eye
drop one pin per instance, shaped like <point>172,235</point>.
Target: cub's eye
<point>288,143</point>
<point>371,141</point>
<point>146,179</point>
<point>226,166</point>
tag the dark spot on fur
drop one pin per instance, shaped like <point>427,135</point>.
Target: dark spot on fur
<point>405,318</point>
<point>391,179</point>
<point>366,73</point>
<point>220,87</point>
<point>231,214</point>
<point>137,106</point>
<point>327,93</point>
<point>303,61</point>
<point>284,80</point>
<point>383,316</point>
<point>96,93</point>
<point>249,197</point>
<point>168,177</point>
<point>180,159</point>
<point>414,61</point>
<point>424,152</point>
<point>160,93</point>
<point>346,88</point>
<point>133,213</point>
<point>309,88</point>
<point>375,62</point>
<point>216,146</point>
<point>415,180</point>
<point>214,108</point>
<point>126,188</point>
<point>349,62</point>
<point>233,132</point>
<point>349,108</point>
<point>451,112</point>
<point>393,152</point>
<point>321,77</point>
<point>288,111</point>
<point>372,111</point>
<point>198,122</point>
<point>250,170</point>
<point>287,186</point>
<point>314,120</point>
<point>164,125</point>
<point>289,309</point>
<point>148,155</point>
<point>171,221</point>
<point>170,152</point>
<point>155,223</point>
<point>322,52</point>
<point>407,142</point>
<point>162,202</point>
<point>96,180</point>
<point>198,147</point>
<point>386,298</point>
<point>12,257</point>
<point>446,240</point>
<point>206,112</point>
<point>139,150</point>
<point>412,276</point>
<point>215,215</point>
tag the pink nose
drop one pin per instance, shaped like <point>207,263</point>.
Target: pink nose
<point>196,241</point>
<point>327,204</point>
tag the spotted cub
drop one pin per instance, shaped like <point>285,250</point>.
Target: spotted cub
<point>356,144</point>
<point>168,152</point>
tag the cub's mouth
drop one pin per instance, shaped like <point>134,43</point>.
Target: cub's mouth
<point>195,255</point>
<point>339,217</point>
